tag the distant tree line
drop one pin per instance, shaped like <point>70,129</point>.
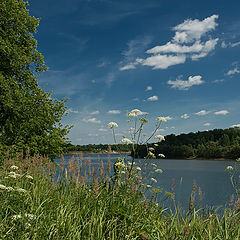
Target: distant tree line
<point>96,148</point>
<point>217,143</point>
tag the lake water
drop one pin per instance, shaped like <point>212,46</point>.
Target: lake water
<point>211,176</point>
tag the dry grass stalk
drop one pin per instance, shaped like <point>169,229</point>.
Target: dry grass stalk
<point>231,200</point>
<point>109,165</point>
<point>95,186</point>
<point>172,185</point>
<point>237,205</point>
<point>194,187</point>
<point>200,194</point>
<point>88,165</point>
<point>101,170</point>
<point>107,182</point>
<point>191,203</point>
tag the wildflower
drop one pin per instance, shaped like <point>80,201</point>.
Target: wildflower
<point>30,216</point>
<point>238,159</point>
<point>126,141</point>
<point>9,189</point>
<point>229,168</point>
<point>143,120</point>
<point>135,113</point>
<point>159,170</point>
<point>161,155</point>
<point>129,163</point>
<point>14,217</point>
<point>151,149</point>
<point>21,190</point>
<point>151,155</point>
<point>29,177</point>
<point>161,119</point>
<point>155,144</point>
<point>14,175</point>
<point>138,168</point>
<point>148,186</point>
<point>154,165</point>
<point>160,137</point>
<point>123,172</point>
<point>120,164</point>
<point>3,187</point>
<point>13,167</point>
<point>112,124</point>
<point>153,179</point>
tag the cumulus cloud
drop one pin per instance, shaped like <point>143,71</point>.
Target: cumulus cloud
<point>236,126</point>
<point>202,113</point>
<point>91,120</point>
<point>70,110</point>
<point>102,129</point>
<point>185,116</point>
<point>153,98</point>
<point>225,45</point>
<point>95,112</point>
<point>114,112</point>
<point>189,42</point>
<point>222,112</point>
<point>148,88</point>
<point>207,124</point>
<point>186,84</point>
<point>233,71</point>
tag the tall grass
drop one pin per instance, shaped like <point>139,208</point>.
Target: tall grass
<point>92,205</point>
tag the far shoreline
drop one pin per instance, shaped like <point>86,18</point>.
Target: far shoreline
<point>128,153</point>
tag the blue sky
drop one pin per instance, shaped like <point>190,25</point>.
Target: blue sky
<point>177,59</point>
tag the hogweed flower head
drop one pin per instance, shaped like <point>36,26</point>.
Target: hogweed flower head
<point>153,179</point>
<point>151,149</point>
<point>21,190</point>
<point>29,177</point>
<point>136,112</point>
<point>14,217</point>
<point>161,119</point>
<point>13,167</point>
<point>126,141</point>
<point>138,168</point>
<point>160,137</point>
<point>112,124</point>
<point>229,168</point>
<point>159,170</point>
<point>161,155</point>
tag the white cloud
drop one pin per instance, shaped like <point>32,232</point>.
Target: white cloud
<point>149,88</point>
<point>70,110</point>
<point>185,85</point>
<point>92,134</point>
<point>185,116</point>
<point>206,124</point>
<point>102,129</point>
<point>186,43</point>
<point>236,126</point>
<point>191,30</point>
<point>114,112</point>
<point>222,112</point>
<point>233,71</point>
<point>218,80</point>
<point>168,118</point>
<point>202,113</point>
<point>128,67</point>
<point>153,98</point>
<point>91,120</point>
<point>225,45</point>
<point>161,130</point>
<point>95,112</point>
<point>162,61</point>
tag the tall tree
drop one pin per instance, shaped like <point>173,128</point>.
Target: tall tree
<point>29,117</point>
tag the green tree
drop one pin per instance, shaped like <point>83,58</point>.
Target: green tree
<point>29,117</point>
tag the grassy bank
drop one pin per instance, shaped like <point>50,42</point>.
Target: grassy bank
<point>34,206</point>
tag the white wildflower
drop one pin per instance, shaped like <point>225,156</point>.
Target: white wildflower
<point>30,216</point>
<point>155,144</point>
<point>14,175</point>
<point>229,168</point>
<point>161,119</point>
<point>161,155</point>
<point>148,186</point>
<point>138,168</point>
<point>151,155</point>
<point>159,170</point>
<point>123,172</point>
<point>129,163</point>
<point>29,177</point>
<point>13,167</point>
<point>3,187</point>
<point>126,141</point>
<point>14,217</point>
<point>154,165</point>
<point>136,112</point>
<point>160,137</point>
<point>10,189</point>
<point>112,124</point>
<point>21,190</point>
<point>120,164</point>
<point>151,149</point>
<point>153,179</point>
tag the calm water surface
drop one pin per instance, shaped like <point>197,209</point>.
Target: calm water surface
<point>209,175</point>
